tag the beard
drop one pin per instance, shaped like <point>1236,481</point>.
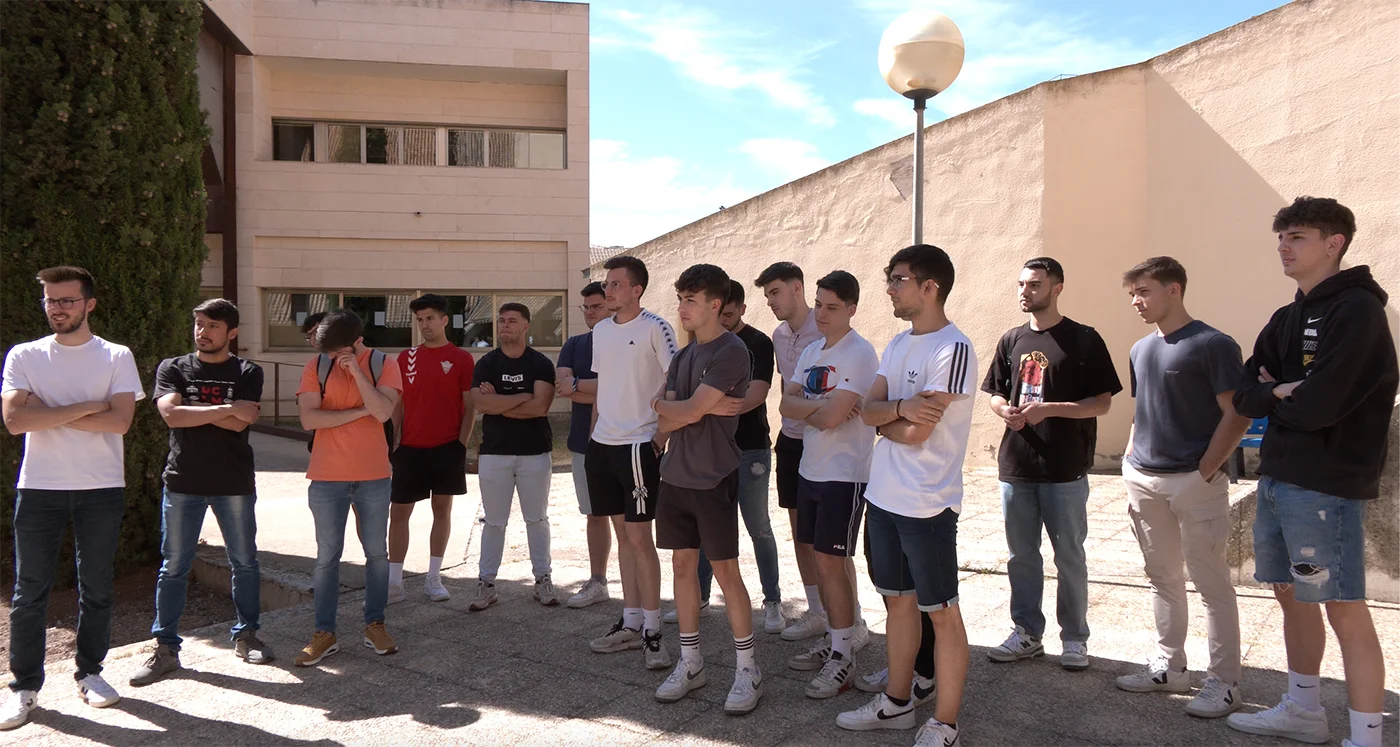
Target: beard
<point>76,317</point>
<point>907,312</point>
<point>1033,306</point>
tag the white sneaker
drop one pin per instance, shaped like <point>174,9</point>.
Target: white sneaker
<point>617,639</point>
<point>545,593</point>
<point>935,733</point>
<point>397,594</point>
<point>96,692</point>
<point>1018,645</point>
<point>673,616</point>
<point>813,658</point>
<point>743,696</point>
<point>1155,677</point>
<point>1215,699</point>
<point>432,586</point>
<point>860,637</point>
<point>654,652</point>
<point>1075,656</point>
<point>593,592</point>
<point>485,596</point>
<point>681,681</point>
<point>879,713</point>
<point>16,709</point>
<point>1287,719</point>
<point>874,682</point>
<point>921,690</point>
<point>773,620</point>
<point>834,679</point>
<point>805,627</point>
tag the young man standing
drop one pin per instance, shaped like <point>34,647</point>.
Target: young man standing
<point>345,406</point>
<point>575,380</point>
<point>782,286</point>
<point>1183,376</point>
<point>755,464</point>
<point>514,389</point>
<point>826,392</point>
<point>72,394</point>
<point>1324,374</point>
<point>436,422</point>
<point>699,410</point>
<point>632,353</point>
<point>208,399</point>
<point>922,405</point>
<point>1050,380</point>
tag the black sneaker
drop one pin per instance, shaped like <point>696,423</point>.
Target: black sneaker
<point>163,661</point>
<point>248,648</point>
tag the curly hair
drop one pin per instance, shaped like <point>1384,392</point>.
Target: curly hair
<point>1323,213</point>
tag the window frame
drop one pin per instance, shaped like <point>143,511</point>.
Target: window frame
<point>441,157</point>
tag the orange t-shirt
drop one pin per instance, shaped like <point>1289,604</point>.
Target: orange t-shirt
<point>355,451</point>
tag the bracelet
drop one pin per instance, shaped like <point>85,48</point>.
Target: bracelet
<point>896,409</point>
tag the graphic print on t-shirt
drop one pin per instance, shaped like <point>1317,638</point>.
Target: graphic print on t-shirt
<point>1032,381</point>
<point>820,380</point>
<point>208,393</point>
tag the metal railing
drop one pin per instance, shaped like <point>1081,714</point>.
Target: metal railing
<point>284,424</point>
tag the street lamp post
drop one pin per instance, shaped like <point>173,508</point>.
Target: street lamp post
<point>921,53</point>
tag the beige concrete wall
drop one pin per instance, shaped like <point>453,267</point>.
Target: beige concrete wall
<point>238,15</point>
<point>1188,154</point>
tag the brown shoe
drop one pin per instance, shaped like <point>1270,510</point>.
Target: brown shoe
<point>378,639</point>
<point>322,645</point>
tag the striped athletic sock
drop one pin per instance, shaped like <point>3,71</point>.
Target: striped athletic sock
<point>743,653</point>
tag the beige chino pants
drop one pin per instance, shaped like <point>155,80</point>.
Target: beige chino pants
<point>1183,517</point>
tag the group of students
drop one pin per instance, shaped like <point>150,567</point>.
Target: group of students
<point>676,435</point>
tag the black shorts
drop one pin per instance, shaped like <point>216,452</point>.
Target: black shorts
<point>828,515</point>
<point>916,557</point>
<point>787,452</point>
<point>435,470</point>
<point>614,474</point>
<point>689,519</point>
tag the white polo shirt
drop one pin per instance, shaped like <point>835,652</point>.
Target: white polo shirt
<point>631,361</point>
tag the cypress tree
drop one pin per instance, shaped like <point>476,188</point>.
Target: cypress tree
<point>100,141</point>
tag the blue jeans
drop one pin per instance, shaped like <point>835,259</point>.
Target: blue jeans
<point>754,468</point>
<point>330,505</point>
<point>40,522</point>
<point>1061,507</point>
<point>1312,540</point>
<point>181,518</point>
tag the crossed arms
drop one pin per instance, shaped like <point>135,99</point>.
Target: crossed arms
<point>24,412</point>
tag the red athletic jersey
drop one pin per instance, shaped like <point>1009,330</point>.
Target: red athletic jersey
<point>433,382</point>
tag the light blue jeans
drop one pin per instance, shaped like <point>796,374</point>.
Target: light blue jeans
<point>754,468</point>
<point>330,505</point>
<point>181,518</point>
<point>1061,507</point>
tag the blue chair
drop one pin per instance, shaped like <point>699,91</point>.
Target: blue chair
<point>1253,439</point>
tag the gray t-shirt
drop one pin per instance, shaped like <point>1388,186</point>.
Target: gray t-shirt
<point>1176,379</point>
<point>703,453</point>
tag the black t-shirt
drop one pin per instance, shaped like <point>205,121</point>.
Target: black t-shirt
<point>753,425</point>
<point>209,460</point>
<point>511,436</point>
<point>1066,363</point>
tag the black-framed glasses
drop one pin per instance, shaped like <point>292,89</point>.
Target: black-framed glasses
<point>587,307</point>
<point>62,303</point>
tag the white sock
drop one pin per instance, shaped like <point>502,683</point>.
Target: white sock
<point>651,620</point>
<point>1365,729</point>
<point>690,652</point>
<point>841,639</point>
<point>1303,689</point>
<point>743,653</point>
<point>814,600</point>
<point>632,618</point>
<point>434,568</point>
<point>396,574</point>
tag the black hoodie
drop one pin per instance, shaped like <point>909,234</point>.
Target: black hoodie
<point>1330,434</point>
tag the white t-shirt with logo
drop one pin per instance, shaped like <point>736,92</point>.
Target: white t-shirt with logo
<point>922,480</point>
<point>788,346</point>
<point>631,361</point>
<point>66,458</point>
<point>840,454</point>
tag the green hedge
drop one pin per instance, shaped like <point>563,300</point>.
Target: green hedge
<point>100,167</point>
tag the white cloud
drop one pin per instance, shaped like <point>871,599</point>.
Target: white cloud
<point>896,110</point>
<point>785,158</point>
<point>1011,45</point>
<point>635,199</point>
<point>726,56</point>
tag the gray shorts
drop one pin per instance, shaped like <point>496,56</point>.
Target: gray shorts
<point>580,483</point>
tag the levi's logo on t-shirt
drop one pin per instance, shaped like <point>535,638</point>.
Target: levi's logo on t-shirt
<point>513,378</point>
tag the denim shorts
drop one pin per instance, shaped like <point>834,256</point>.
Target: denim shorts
<point>915,557</point>
<point>1314,541</point>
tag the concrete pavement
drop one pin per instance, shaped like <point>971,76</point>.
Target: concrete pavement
<point>520,674</point>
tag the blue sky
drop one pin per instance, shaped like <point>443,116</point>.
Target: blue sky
<point>695,105</point>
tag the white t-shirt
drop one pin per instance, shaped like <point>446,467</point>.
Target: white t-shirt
<point>840,454</point>
<point>922,480</point>
<point>631,361</point>
<point>66,458</point>
<point>788,346</point>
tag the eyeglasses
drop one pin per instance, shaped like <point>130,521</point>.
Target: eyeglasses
<point>62,303</point>
<point>587,307</point>
<point>616,285</point>
<point>895,281</point>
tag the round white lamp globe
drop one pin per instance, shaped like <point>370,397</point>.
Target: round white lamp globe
<point>921,53</point>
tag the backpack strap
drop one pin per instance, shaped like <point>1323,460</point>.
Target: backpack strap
<point>324,364</point>
<point>377,358</point>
